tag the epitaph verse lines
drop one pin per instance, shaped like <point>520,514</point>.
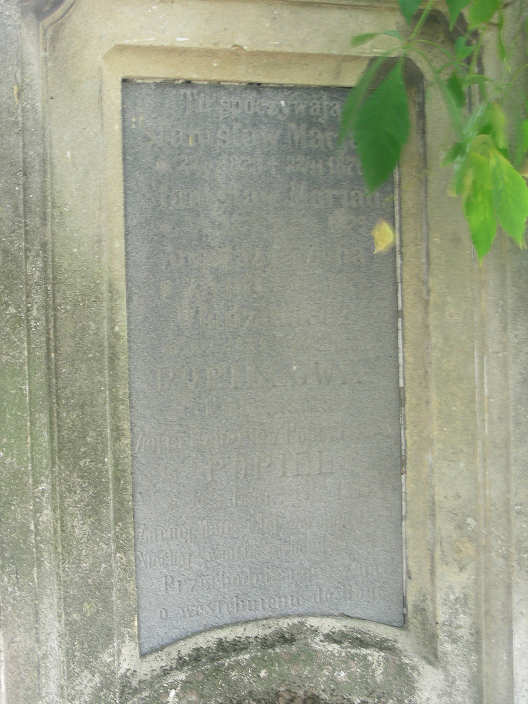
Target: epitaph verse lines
<point>263,362</point>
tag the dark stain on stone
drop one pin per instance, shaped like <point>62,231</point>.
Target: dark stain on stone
<point>219,657</point>
<point>288,696</point>
<point>355,639</point>
<point>222,650</point>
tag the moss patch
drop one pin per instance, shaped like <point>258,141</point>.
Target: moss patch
<point>294,664</point>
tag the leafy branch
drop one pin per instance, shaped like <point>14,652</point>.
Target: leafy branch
<point>488,172</point>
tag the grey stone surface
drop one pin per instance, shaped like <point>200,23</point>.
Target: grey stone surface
<point>263,360</point>
<point>27,608</point>
<point>68,627</point>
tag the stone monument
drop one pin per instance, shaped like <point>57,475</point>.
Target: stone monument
<point>202,466</point>
<point>263,356</point>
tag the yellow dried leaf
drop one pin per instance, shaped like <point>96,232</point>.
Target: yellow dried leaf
<point>384,237</point>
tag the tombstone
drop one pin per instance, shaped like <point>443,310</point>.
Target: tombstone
<point>244,458</point>
<point>263,362</point>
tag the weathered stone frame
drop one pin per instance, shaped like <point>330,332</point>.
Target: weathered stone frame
<point>68,624</point>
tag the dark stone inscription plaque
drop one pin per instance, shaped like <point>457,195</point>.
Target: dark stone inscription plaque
<point>263,361</point>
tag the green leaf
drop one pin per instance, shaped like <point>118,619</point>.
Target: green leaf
<point>408,8</point>
<point>510,197</point>
<point>462,179</point>
<point>481,11</point>
<point>474,167</point>
<point>480,168</point>
<point>483,144</point>
<point>455,151</point>
<point>454,112</point>
<point>501,49</point>
<point>455,87</point>
<point>473,124</point>
<point>478,209</point>
<point>393,33</point>
<point>381,128</point>
<point>524,133</point>
<point>363,39</point>
<point>356,97</point>
<point>497,120</point>
<point>521,143</point>
<point>492,124</point>
<point>454,7</point>
<point>463,50</point>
